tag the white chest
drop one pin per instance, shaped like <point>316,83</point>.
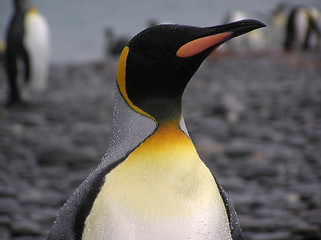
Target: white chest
<point>159,193</point>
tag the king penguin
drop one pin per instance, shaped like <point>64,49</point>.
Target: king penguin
<point>27,53</point>
<point>151,184</point>
<point>303,29</point>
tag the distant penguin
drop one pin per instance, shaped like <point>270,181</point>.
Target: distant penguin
<point>277,27</point>
<point>303,30</point>
<point>151,183</point>
<point>314,32</point>
<point>114,45</point>
<point>27,53</point>
<point>2,50</point>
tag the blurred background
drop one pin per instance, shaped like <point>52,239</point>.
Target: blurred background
<point>86,21</point>
<point>253,110</point>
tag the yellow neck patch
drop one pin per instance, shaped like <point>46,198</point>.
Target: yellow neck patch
<point>32,10</point>
<point>121,82</point>
<point>160,178</point>
<point>162,181</point>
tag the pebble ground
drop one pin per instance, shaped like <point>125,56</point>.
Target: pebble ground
<point>255,121</point>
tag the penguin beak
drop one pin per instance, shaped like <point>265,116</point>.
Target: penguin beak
<point>217,35</point>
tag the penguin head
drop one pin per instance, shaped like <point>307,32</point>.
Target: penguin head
<point>158,63</point>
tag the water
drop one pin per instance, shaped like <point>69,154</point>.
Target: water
<point>77,26</point>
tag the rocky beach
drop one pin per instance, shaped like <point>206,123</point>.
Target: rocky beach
<point>255,120</point>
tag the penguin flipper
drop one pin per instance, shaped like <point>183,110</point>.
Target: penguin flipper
<point>235,227</point>
<point>70,221</point>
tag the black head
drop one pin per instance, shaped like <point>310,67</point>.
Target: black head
<point>160,61</point>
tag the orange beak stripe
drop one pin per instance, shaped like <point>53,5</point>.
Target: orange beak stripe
<point>199,45</point>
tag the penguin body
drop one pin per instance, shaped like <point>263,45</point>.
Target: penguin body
<point>151,183</point>
<point>27,53</point>
<point>188,198</point>
<point>303,30</point>
<point>313,41</point>
<point>37,41</point>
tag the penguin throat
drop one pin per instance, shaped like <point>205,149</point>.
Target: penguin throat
<point>158,101</point>
<point>162,109</point>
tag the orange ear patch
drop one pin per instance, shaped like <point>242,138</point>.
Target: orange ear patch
<point>199,45</point>
<point>121,82</point>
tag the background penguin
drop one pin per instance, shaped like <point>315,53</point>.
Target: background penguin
<point>313,39</point>
<point>2,49</point>
<point>277,25</point>
<point>114,45</point>
<point>151,184</point>
<point>303,30</point>
<point>27,53</point>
